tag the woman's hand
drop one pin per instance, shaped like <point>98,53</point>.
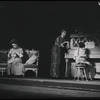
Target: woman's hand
<point>14,55</point>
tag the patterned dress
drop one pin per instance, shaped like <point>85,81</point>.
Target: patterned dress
<point>56,57</point>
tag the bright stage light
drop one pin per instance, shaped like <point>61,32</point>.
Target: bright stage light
<point>99,3</point>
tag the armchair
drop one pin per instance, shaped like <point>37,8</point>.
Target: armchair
<point>32,63</point>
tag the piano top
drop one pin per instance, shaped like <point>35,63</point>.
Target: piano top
<point>92,44</point>
<point>94,53</point>
<point>71,56</point>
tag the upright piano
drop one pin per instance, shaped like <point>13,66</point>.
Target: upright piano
<point>92,43</point>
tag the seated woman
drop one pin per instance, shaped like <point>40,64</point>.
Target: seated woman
<point>80,56</point>
<point>15,55</point>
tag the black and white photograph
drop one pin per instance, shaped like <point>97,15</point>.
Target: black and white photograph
<point>49,49</point>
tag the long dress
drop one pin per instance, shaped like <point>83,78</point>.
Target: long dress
<point>56,57</point>
<point>15,65</point>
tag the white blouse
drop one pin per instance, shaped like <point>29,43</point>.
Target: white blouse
<point>13,52</point>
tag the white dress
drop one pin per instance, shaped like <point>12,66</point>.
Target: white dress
<point>80,56</point>
<point>15,62</point>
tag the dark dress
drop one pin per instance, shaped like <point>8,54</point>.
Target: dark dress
<point>56,57</point>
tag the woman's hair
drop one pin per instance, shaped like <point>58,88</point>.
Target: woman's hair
<point>63,30</point>
<point>13,41</point>
<point>81,45</point>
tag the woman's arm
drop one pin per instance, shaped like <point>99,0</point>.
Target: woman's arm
<point>65,42</point>
<point>57,42</point>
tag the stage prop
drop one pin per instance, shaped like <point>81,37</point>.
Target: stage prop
<point>92,43</point>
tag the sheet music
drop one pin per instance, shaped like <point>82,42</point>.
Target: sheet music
<point>90,44</point>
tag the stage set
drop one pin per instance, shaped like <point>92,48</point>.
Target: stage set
<point>92,43</point>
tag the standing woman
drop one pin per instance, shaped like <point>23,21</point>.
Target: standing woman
<point>56,54</point>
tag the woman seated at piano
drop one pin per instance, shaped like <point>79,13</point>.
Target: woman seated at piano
<point>81,56</point>
<point>15,59</point>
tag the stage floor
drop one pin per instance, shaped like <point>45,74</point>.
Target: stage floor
<point>91,85</point>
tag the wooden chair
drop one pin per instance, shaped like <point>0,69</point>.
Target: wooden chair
<point>33,67</point>
<point>3,61</point>
<point>3,68</point>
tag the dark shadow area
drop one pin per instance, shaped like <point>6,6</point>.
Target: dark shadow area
<point>63,63</point>
<point>88,53</point>
<point>91,68</point>
<point>30,73</point>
